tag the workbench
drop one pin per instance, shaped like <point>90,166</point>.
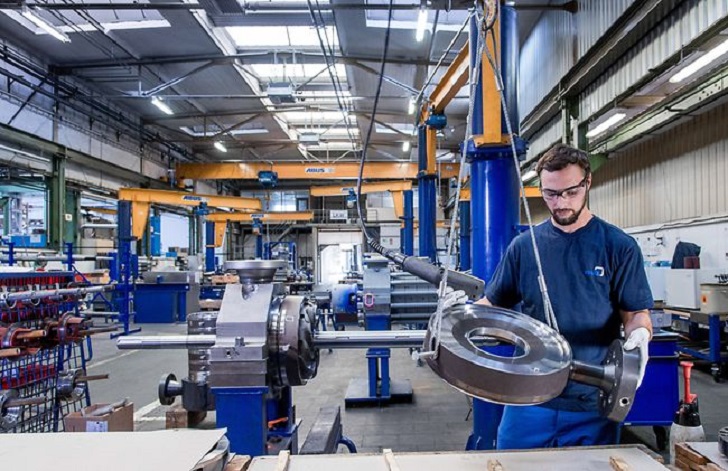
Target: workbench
<point>696,322</point>
<point>658,398</point>
<point>633,458</point>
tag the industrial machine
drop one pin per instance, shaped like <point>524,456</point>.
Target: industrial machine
<point>264,344</point>
<point>167,296</point>
<point>385,297</point>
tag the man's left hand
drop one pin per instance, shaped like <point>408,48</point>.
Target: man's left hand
<point>639,338</point>
<point>453,298</point>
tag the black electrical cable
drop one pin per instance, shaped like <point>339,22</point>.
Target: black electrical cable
<point>375,245</point>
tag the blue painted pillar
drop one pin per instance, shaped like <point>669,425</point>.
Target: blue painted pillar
<point>494,209</point>
<point>259,246</point>
<point>408,231</point>
<point>155,235</point>
<point>124,263</point>
<point>210,246</point>
<point>426,184</point>
<point>464,211</point>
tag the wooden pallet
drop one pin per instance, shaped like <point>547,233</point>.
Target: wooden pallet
<point>699,457</point>
<point>179,417</point>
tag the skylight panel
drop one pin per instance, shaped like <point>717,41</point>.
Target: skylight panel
<point>281,36</point>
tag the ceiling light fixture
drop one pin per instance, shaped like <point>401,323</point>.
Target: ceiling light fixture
<point>45,25</point>
<point>162,105</point>
<point>606,125</point>
<point>406,146</point>
<point>421,24</point>
<point>412,106</point>
<point>528,176</point>
<point>701,62</point>
<point>220,146</point>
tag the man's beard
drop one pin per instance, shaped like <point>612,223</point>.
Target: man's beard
<point>567,217</point>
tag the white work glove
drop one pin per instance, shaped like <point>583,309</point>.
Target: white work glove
<point>639,338</point>
<point>453,298</point>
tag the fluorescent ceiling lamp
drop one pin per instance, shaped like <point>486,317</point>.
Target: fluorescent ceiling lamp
<point>701,62</point>
<point>406,146</point>
<point>45,26</point>
<point>421,24</point>
<point>233,132</point>
<point>528,176</point>
<point>614,119</point>
<point>412,106</point>
<point>162,105</point>
<point>220,146</point>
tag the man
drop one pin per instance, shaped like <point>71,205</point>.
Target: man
<point>596,281</point>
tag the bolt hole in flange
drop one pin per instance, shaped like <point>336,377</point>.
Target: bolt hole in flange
<point>624,402</point>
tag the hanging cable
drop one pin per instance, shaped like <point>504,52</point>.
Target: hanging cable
<point>368,137</point>
<point>442,288</point>
<point>549,313</point>
<point>472,286</point>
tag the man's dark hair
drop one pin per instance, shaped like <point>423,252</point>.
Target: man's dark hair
<point>560,156</point>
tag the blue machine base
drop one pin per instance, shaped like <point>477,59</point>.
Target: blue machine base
<point>357,394</point>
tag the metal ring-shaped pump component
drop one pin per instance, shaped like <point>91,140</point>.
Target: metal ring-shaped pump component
<point>538,372</point>
<point>294,357</point>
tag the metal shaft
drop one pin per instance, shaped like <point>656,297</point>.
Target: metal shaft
<point>327,339</point>
<point>166,342</point>
<point>370,339</point>
<point>594,375</point>
<point>47,258</point>
<point>49,293</point>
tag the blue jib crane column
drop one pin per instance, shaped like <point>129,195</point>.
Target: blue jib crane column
<point>494,208</point>
<point>426,185</point>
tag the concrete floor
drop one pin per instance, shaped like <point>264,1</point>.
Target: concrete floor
<point>437,420</point>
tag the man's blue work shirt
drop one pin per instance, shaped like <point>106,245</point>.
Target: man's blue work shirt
<point>591,274</point>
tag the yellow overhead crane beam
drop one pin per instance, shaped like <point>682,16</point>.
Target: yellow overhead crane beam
<point>142,200</point>
<point>221,220</point>
<point>396,188</point>
<point>306,171</point>
<point>338,190</point>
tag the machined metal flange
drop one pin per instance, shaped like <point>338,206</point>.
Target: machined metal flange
<point>294,358</point>
<point>616,379</point>
<point>538,372</point>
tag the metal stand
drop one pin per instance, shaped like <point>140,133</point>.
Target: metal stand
<point>124,271</point>
<point>378,388</point>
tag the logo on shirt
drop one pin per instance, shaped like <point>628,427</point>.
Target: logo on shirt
<point>598,271</point>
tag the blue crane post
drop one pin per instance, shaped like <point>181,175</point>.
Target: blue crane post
<point>124,268</point>
<point>494,209</point>
<point>210,264</point>
<point>426,186</point>
<point>408,231</point>
<point>464,211</point>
